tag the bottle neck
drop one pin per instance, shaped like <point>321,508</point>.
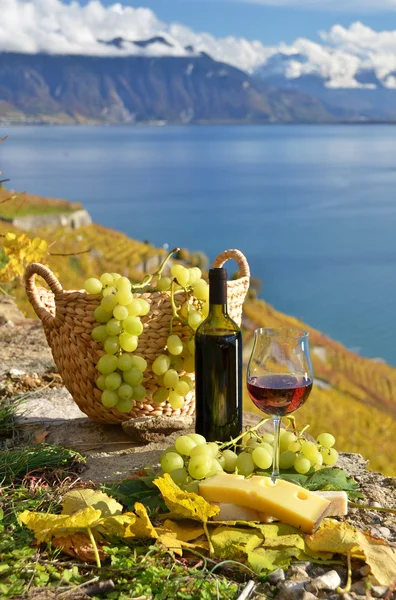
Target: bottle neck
<point>217,310</point>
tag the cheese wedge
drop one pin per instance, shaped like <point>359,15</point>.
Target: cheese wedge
<point>338,503</point>
<point>283,500</point>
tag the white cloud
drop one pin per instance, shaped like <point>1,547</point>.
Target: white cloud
<point>330,5</point>
<point>33,26</point>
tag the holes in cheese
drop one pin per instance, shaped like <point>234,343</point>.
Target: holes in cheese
<point>281,499</point>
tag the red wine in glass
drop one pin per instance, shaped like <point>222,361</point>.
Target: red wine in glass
<point>279,394</point>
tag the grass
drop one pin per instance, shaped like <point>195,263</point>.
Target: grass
<point>16,204</point>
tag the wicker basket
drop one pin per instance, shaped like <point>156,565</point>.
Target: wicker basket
<point>67,318</point>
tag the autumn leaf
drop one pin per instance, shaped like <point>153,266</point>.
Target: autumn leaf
<point>46,526</point>
<point>79,499</point>
<point>140,526</point>
<point>234,542</point>
<point>185,531</point>
<point>264,559</point>
<point>336,538</point>
<point>79,546</point>
<point>184,504</point>
<point>380,557</point>
<point>169,539</point>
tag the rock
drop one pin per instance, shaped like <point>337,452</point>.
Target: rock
<point>276,576</point>
<point>154,429</point>
<point>359,587</point>
<point>380,532</point>
<point>308,596</point>
<point>290,590</point>
<point>328,581</point>
<point>378,591</point>
<point>16,372</point>
<point>297,573</point>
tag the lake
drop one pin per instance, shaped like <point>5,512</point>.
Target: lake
<point>312,207</point>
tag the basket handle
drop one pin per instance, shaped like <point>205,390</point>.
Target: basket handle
<point>31,290</point>
<point>240,259</point>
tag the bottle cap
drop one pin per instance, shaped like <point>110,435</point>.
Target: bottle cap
<point>217,274</point>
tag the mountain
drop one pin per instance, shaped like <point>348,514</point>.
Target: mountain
<point>365,97</point>
<point>127,89</point>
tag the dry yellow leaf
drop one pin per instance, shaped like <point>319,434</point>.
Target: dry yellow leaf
<point>380,557</point>
<point>184,504</point>
<point>140,525</point>
<point>46,526</point>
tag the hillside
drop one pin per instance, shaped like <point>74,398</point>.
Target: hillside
<point>353,397</point>
<point>133,89</point>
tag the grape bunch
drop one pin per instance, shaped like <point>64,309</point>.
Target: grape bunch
<point>192,458</point>
<point>120,325</point>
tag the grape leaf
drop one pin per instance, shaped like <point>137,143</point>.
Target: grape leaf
<point>185,504</point>
<point>332,478</point>
<point>380,557</point>
<point>79,546</point>
<point>264,559</point>
<point>234,542</point>
<point>129,491</point>
<point>140,526</point>
<point>79,499</point>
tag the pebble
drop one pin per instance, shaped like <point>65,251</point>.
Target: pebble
<point>378,591</point>
<point>359,588</point>
<point>297,573</point>
<point>329,581</point>
<point>277,576</point>
<point>380,532</point>
<point>308,596</point>
<point>364,571</point>
<point>16,372</point>
<point>290,590</point>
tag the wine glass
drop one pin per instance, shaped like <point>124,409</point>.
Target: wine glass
<point>279,376</point>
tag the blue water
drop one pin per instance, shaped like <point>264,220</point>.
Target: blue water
<point>312,207</point>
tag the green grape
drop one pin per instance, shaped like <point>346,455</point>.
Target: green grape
<point>195,275</point>
<point>144,306</point>
<point>115,276</point>
<point>179,476</point>
<point>214,447</point>
<point>184,445</point>
<point>175,345</point>
<point>286,438</point>
<point>108,303</point>
<point>124,405</point>
<point>124,297</point>
<point>139,363</point>
<point>120,312</point>
<point>199,467</point>
<point>188,380</point>
<point>319,459</point>
<point>189,364</point>
<point>309,450</point>
<point>326,440</point>
<point>133,325</point>
<point>168,449</point>
<point>123,283</point>
<point>101,316</point>
<point>160,395</point>
<point>139,392</point>
<point>181,388</point>
<point>93,286</point>
<point>125,391</point>
<point>221,460</point>
<point>202,450</point>
<point>125,362</point>
<point>106,279</point>
<point>161,364</point>
<point>215,468</point>
<point>134,308</point>
<point>99,333</point>
<point>267,447</point>
<point>134,377</point>
<point>245,464</point>
<point>286,459</point>
<point>194,319</point>
<point>252,442</point>
<point>301,464</point>
<point>201,290</point>
<point>171,378</point>
<point>295,446</point>
<point>191,346</point>
<point>197,437</point>
<point>107,364</point>
<point>109,398</point>
<point>175,400</point>
<point>164,284</point>
<point>192,487</point>
<point>262,458</point>
<point>330,456</point>
<point>230,458</point>
<point>114,327</point>
<point>128,342</point>
<point>109,291</point>
<point>100,382</point>
<point>112,344</point>
<point>113,381</point>
<point>183,310</point>
<point>171,461</point>
<point>316,458</point>
<point>177,363</point>
<point>181,274</point>
<point>268,438</point>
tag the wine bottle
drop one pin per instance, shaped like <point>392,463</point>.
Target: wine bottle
<point>218,367</point>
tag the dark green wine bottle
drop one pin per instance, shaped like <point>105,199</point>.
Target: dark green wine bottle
<point>218,367</point>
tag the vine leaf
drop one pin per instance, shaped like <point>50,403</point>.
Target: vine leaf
<point>184,504</point>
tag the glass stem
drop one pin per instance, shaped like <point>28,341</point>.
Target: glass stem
<point>275,464</point>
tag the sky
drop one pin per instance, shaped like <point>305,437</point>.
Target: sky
<point>271,21</point>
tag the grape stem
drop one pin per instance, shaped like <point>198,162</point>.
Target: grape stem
<point>369,507</point>
<point>147,279</point>
<point>348,584</point>
<point>234,441</point>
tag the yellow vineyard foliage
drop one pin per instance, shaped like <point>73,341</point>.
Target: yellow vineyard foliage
<point>20,250</point>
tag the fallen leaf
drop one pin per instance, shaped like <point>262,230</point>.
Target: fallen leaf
<point>79,499</point>
<point>40,436</point>
<point>185,531</point>
<point>336,538</point>
<point>140,526</point>
<point>264,559</point>
<point>45,525</point>
<point>169,540</point>
<point>185,504</point>
<point>234,542</point>
<point>79,546</point>
<point>380,557</point>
